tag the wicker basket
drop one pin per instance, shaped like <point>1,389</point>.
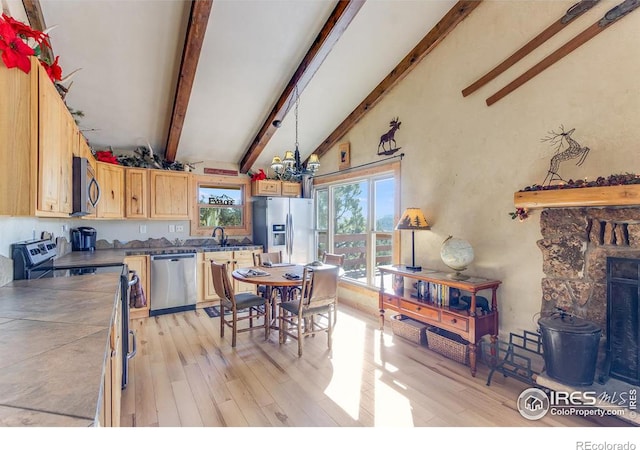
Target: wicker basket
<point>448,344</point>
<point>409,329</point>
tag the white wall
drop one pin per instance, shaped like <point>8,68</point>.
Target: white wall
<point>464,160</point>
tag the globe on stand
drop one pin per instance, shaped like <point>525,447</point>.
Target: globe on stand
<point>456,254</point>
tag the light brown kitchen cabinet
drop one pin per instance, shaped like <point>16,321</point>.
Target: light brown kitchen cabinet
<point>291,189</point>
<point>275,188</point>
<point>110,405</point>
<point>111,180</point>
<point>241,259</point>
<point>234,260</point>
<point>140,263</point>
<point>84,151</point>
<point>271,188</point>
<point>35,175</point>
<point>136,193</point>
<point>169,194</point>
<point>57,140</point>
<point>206,292</point>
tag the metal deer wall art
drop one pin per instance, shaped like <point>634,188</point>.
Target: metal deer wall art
<point>389,137</point>
<point>573,151</point>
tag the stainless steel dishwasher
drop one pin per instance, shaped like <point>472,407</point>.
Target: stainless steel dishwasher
<point>173,283</point>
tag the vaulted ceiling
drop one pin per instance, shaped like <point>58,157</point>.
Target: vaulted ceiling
<point>205,80</point>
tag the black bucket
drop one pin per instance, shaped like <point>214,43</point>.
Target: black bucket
<point>570,346</point>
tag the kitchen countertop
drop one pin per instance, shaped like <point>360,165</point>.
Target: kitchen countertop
<point>54,339</point>
<point>116,256</point>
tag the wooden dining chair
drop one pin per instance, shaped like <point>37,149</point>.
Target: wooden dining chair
<point>336,260</point>
<point>333,258</point>
<point>259,259</point>
<point>243,306</point>
<point>310,313</point>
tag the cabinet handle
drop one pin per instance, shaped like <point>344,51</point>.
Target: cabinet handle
<point>418,308</point>
<point>454,320</point>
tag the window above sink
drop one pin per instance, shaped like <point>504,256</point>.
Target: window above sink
<point>221,202</point>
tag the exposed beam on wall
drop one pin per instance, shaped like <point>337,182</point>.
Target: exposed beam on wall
<point>335,26</point>
<point>455,15</point>
<point>198,19</point>
<point>36,20</point>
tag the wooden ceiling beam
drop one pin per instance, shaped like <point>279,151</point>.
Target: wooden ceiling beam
<point>36,21</point>
<point>455,15</point>
<point>335,26</point>
<point>198,20</point>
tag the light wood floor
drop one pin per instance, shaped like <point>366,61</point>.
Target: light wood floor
<point>185,375</point>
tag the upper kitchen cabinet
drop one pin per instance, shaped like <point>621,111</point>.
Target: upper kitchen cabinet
<point>38,135</point>
<point>169,195</point>
<point>221,201</point>
<point>111,180</point>
<point>83,150</point>
<point>136,193</point>
<point>57,140</point>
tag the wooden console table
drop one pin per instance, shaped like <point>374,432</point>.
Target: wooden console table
<point>469,324</point>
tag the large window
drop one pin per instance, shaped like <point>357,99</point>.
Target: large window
<point>221,202</point>
<point>220,207</point>
<point>356,217</point>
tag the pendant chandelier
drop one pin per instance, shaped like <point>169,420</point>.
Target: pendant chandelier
<point>290,168</point>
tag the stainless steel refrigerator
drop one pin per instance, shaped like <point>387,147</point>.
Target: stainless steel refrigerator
<point>286,224</point>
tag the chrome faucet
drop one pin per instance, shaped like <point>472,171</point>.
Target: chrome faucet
<point>223,239</point>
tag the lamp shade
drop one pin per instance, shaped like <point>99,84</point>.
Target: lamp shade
<point>314,163</point>
<point>413,219</point>
<point>289,158</point>
<point>276,164</point>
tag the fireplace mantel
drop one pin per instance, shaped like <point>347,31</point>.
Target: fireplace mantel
<point>623,195</point>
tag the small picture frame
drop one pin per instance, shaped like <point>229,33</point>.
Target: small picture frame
<point>344,156</point>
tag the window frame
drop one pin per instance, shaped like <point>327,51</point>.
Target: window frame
<point>221,182</point>
<point>371,175</point>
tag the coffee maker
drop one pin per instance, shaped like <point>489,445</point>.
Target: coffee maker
<point>83,239</point>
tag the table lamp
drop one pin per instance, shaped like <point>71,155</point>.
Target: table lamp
<point>413,219</point>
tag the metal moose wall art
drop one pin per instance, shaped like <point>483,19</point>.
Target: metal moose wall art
<point>389,138</point>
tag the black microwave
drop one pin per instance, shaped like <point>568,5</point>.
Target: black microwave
<point>86,190</point>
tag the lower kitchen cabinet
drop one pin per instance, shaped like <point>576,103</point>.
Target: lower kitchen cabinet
<point>243,258</point>
<point>110,410</point>
<point>206,293</point>
<point>140,263</point>
<point>234,260</point>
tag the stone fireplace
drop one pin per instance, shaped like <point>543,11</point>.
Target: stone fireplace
<point>575,245</point>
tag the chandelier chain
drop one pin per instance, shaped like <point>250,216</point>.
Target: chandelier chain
<point>296,113</point>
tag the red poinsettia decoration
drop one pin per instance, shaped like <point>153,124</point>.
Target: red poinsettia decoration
<point>18,41</point>
<point>15,52</point>
<point>54,70</point>
<point>26,32</point>
<point>258,175</point>
<point>106,156</point>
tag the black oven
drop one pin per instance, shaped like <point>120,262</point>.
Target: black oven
<point>36,259</point>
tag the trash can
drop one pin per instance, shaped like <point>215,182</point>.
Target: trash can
<point>570,347</point>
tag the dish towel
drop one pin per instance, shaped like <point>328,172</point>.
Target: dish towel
<point>137,299</point>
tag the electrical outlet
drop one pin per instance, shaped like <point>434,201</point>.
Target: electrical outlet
<point>143,228</point>
<point>172,228</point>
<point>179,228</point>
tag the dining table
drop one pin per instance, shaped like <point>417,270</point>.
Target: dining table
<point>285,277</point>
